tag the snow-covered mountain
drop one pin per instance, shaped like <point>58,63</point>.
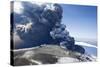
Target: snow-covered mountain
<point>49,54</point>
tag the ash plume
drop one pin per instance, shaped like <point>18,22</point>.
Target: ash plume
<point>37,24</point>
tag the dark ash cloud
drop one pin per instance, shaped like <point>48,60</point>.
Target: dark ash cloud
<point>37,24</point>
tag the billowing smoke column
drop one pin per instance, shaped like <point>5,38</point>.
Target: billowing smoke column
<point>36,24</point>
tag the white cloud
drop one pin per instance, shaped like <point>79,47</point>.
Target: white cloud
<point>85,44</point>
<point>18,8</point>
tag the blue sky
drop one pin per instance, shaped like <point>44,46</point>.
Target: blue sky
<point>81,21</point>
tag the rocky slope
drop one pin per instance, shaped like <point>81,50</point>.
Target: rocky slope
<point>48,54</point>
